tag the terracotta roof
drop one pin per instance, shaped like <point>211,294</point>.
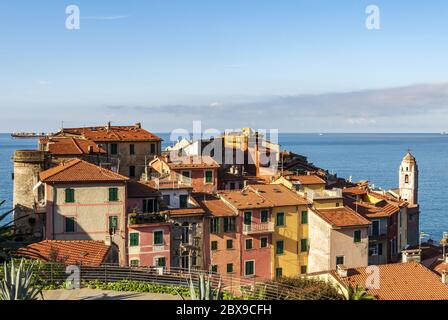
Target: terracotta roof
<point>245,199</point>
<point>399,281</point>
<point>355,191</point>
<point>137,189</point>
<point>71,146</point>
<point>381,209</point>
<point>113,133</point>
<point>342,217</point>
<point>193,162</point>
<point>69,252</point>
<point>279,195</point>
<point>77,170</point>
<point>213,205</point>
<point>184,212</point>
<point>306,179</point>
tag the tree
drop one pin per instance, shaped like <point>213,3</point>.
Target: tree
<point>359,293</point>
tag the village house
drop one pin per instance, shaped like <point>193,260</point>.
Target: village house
<point>222,238</point>
<point>199,172</point>
<point>290,237</point>
<point>338,236</point>
<point>254,219</point>
<point>129,148</point>
<point>148,232</point>
<point>85,202</point>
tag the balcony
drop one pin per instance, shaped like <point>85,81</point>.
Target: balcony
<point>256,228</point>
<point>324,194</point>
<point>145,218</point>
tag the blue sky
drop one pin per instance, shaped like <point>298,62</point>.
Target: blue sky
<point>300,66</point>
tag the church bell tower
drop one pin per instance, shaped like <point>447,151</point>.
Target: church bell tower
<point>408,178</point>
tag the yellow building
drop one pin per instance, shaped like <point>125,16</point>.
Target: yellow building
<point>290,237</point>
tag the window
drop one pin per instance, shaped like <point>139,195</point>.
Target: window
<point>208,176</point>
<point>304,217</point>
<point>186,175</point>
<point>167,199</point>
<point>214,268</point>
<point>278,272</point>
<point>375,227</point>
<point>406,178</point>
<point>134,263</point>
<point>357,236</point>
<point>376,249</point>
<point>158,238</point>
<point>248,218</point>
<point>232,185</point>
<point>249,244</point>
<point>132,149</point>
<point>303,269</point>
<point>249,268</point>
<point>185,260</point>
<point>69,195</point>
<point>132,171</point>
<point>134,239</point>
<point>153,148</point>
<point>229,244</point>
<point>264,242</point>
<point>280,219</point>
<point>304,245</point>
<point>160,262</point>
<point>113,148</point>
<point>113,194</point>
<point>149,205</point>
<point>183,201</point>
<point>229,267</point>
<point>279,247</point>
<point>113,224</point>
<point>339,260</point>
<point>337,204</point>
<point>215,225</point>
<point>185,233</point>
<point>264,215</point>
<point>214,245</point>
<point>229,224</point>
<point>69,224</point>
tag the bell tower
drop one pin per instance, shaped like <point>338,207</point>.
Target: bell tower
<point>408,178</point>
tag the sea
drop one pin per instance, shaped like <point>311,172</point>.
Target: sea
<point>373,157</point>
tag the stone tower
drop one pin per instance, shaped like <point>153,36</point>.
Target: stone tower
<point>27,166</point>
<point>408,177</point>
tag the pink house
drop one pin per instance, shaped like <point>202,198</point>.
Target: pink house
<point>254,221</point>
<point>148,232</point>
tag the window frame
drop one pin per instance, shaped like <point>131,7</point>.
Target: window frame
<point>69,195</point>
<point>277,247</point>
<point>261,242</point>
<point>304,217</point>
<point>154,238</point>
<point>133,265</point>
<point>114,217</point>
<point>113,194</point>
<point>132,242</point>
<point>277,224</point>
<point>355,238</point>
<point>69,218</point>
<point>264,219</point>
<point>302,245</point>
<point>231,244</point>
<point>212,178</point>
<point>132,149</point>
<point>231,268</point>
<point>253,268</point>
<point>214,245</point>
<point>340,257</point>
<point>251,241</point>
<point>114,148</point>
<point>132,173</point>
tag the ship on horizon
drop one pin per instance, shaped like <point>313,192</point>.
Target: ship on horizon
<point>29,135</point>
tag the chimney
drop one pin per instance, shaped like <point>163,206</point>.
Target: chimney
<point>444,277</point>
<point>411,255</point>
<point>108,240</point>
<point>90,149</point>
<point>342,270</point>
<point>108,126</point>
<point>138,125</point>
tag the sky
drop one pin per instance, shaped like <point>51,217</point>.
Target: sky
<point>292,65</point>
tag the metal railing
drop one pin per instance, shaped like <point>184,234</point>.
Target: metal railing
<point>250,288</point>
<point>258,228</point>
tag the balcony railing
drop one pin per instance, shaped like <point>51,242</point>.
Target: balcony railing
<point>258,228</point>
<point>325,194</point>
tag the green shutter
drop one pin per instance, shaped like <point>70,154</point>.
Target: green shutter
<point>69,224</point>
<point>113,194</point>
<point>280,219</point>
<point>304,217</point>
<point>134,239</point>
<point>69,195</point>
<point>229,267</point>
<point>158,237</point>
<point>279,247</point>
<point>304,245</point>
